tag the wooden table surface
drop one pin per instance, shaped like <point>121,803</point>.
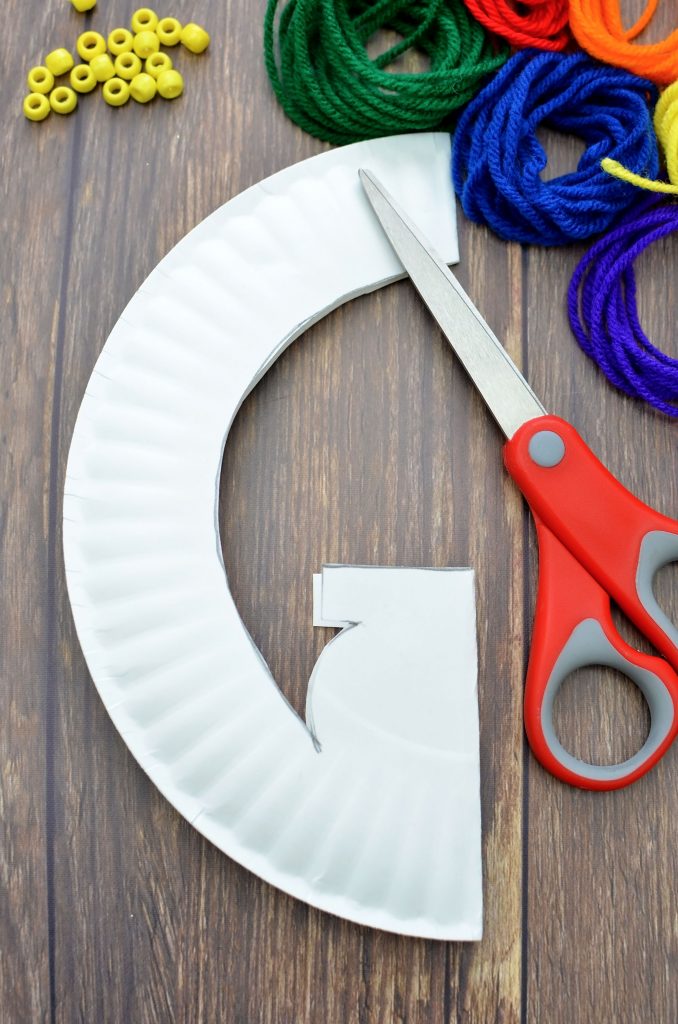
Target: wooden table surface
<point>365,444</point>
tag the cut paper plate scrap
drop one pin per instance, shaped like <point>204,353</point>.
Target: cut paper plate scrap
<point>390,841</point>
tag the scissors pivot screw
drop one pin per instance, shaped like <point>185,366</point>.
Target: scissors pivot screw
<point>546,448</point>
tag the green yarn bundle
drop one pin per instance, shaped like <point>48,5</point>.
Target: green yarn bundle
<point>317,60</point>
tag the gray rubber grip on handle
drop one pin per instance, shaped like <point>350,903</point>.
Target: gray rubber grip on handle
<point>588,645</point>
<point>657,550</point>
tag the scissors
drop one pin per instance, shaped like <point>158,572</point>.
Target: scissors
<point>597,542</point>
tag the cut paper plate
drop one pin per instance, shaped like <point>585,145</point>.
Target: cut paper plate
<point>388,840</point>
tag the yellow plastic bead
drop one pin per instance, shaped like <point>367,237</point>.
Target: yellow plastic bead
<point>170,84</point>
<point>142,88</point>
<point>168,31</point>
<point>41,79</point>
<point>90,44</point>
<point>116,92</point>
<point>157,63</point>
<point>84,5</point>
<point>120,41</point>
<point>36,106</point>
<point>195,38</point>
<point>59,62</point>
<point>145,43</point>
<point>63,100</point>
<point>144,20</point>
<point>82,78</point>
<point>102,67</point>
<point>127,66</point>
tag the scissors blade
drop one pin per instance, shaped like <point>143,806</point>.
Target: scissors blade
<point>507,394</point>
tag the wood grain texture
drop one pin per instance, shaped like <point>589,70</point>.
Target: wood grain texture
<point>601,920</point>
<point>364,443</point>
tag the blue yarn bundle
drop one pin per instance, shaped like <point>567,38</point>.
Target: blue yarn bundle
<point>498,160</point>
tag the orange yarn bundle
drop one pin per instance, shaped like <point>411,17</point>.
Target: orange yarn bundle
<point>597,27</point>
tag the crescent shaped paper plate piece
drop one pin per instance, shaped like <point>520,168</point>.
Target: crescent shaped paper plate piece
<point>378,823</point>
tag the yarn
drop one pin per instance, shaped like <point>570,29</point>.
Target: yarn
<point>497,158</point>
<point>329,85</point>
<point>666,127</point>
<point>597,27</point>
<point>537,23</point>
<point>604,314</point>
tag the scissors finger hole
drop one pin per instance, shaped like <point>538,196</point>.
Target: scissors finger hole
<point>600,716</point>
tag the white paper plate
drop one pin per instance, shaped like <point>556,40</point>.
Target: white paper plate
<point>164,642</point>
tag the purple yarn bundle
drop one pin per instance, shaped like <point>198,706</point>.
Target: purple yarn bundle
<point>604,314</point>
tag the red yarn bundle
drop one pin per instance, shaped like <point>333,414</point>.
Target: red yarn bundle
<point>542,24</point>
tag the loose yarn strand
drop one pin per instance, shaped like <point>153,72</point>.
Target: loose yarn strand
<point>597,27</point>
<point>603,310</point>
<point>666,127</point>
<point>317,61</point>
<point>542,24</point>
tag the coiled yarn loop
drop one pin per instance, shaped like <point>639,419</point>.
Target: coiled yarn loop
<point>603,309</point>
<point>498,160</point>
<point>328,84</point>
<point>538,23</point>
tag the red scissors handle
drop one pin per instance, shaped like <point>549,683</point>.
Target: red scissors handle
<point>596,542</point>
<point>573,628</point>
